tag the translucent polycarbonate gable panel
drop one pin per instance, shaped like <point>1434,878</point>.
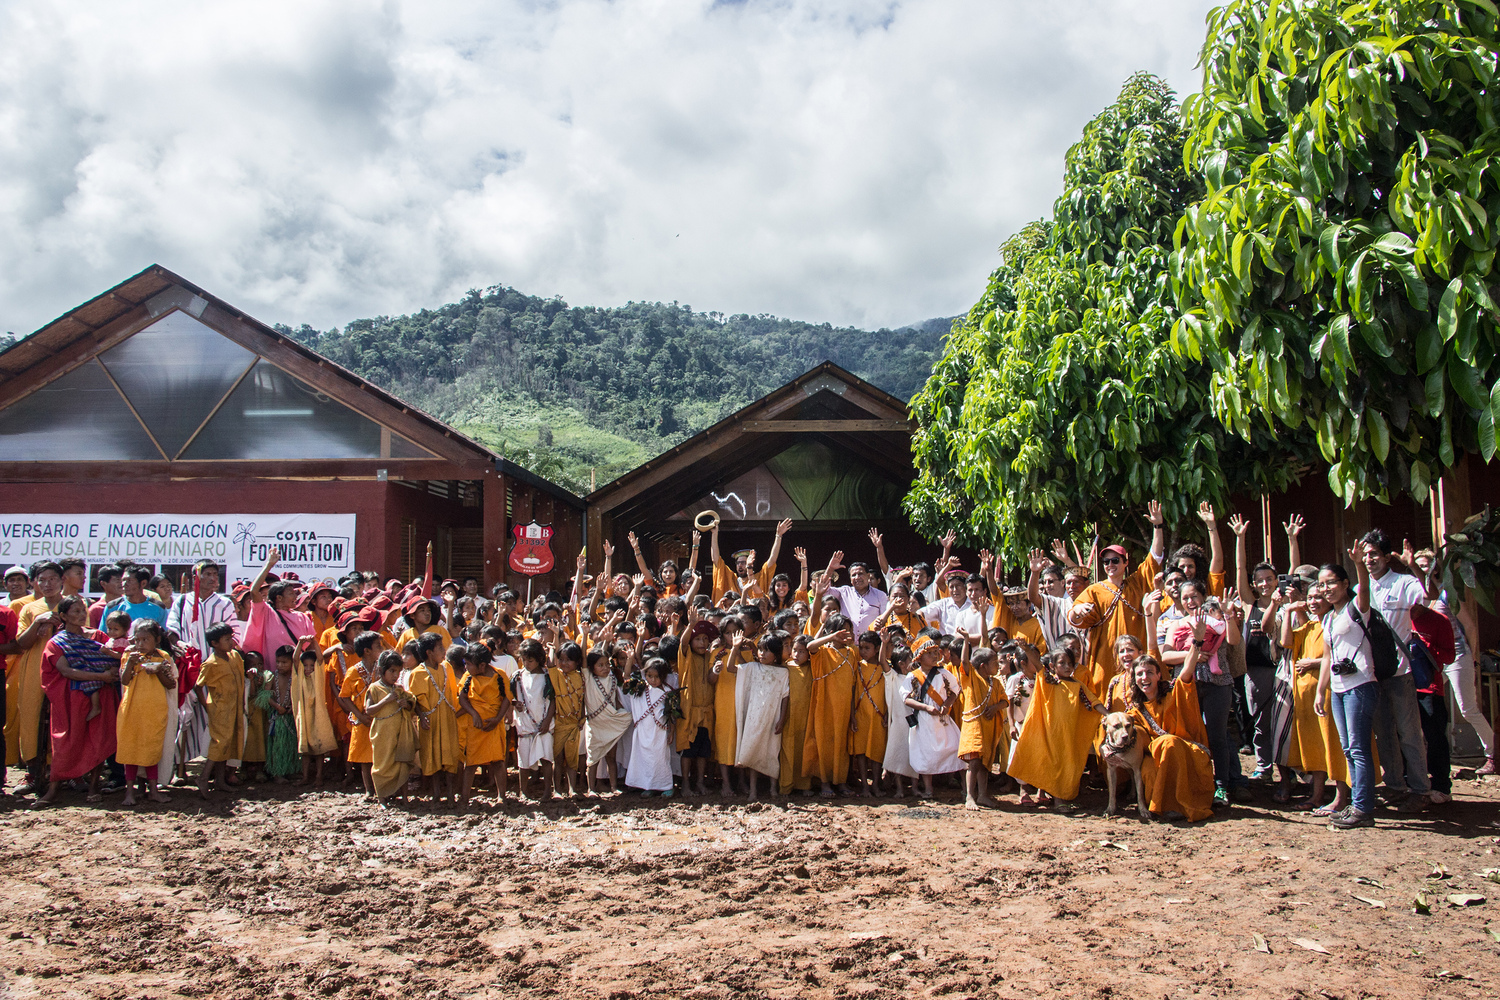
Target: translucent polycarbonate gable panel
<point>809,471</point>
<point>271,415</point>
<point>174,372</point>
<point>402,448</point>
<point>77,418</point>
<point>754,496</point>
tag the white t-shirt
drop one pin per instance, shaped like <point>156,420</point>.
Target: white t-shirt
<point>1346,640</point>
<point>1394,595</point>
<point>944,614</point>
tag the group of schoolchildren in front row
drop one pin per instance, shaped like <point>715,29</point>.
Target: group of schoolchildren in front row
<point>851,688</point>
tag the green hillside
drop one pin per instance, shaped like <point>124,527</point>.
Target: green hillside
<point>569,390</point>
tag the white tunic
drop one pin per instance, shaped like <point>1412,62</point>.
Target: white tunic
<point>932,744</point>
<point>651,743</point>
<point>758,692</point>
<point>897,689</point>
<point>533,744</point>
<point>604,721</point>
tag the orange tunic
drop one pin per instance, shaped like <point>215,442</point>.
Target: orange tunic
<point>869,736</point>
<point>825,749</point>
<point>338,669</point>
<point>1115,612</point>
<point>725,579</point>
<point>1030,629</point>
<point>697,695</point>
<point>1054,743</point>
<point>1178,773</point>
<point>982,707</point>
<point>1313,744</point>
<point>725,736</point>
<point>355,684</point>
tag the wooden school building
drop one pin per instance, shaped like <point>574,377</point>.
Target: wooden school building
<point>159,423</point>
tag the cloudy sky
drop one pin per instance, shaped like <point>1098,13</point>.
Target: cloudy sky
<point>323,160</point>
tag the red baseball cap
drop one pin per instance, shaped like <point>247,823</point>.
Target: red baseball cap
<point>1118,550</point>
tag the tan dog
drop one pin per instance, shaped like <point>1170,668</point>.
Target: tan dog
<point>1123,751</point>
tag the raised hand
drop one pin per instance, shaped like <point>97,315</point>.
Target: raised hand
<point>609,548</point>
<point>876,539</point>
<point>1205,514</point>
<point>783,527</point>
<point>1059,550</point>
<point>1238,525</point>
<point>697,537</point>
<point>800,554</point>
<point>1037,560</point>
<point>1153,512</point>
<point>837,562</point>
<point>1151,606</point>
<point>639,580</point>
<point>948,539</point>
<point>635,543</point>
<point>1199,622</point>
<point>1294,525</point>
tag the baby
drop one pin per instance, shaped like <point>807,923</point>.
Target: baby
<point>117,627</point>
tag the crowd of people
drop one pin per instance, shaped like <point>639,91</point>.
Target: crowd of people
<point>671,681</point>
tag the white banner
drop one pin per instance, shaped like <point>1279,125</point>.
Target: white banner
<point>314,546</point>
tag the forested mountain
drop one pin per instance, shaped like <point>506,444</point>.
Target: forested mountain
<point>564,390</point>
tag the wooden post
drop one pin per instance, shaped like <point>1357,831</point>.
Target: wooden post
<point>1266,534</point>
<point>496,530</point>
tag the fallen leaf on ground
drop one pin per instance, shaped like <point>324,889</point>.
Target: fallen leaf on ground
<point>1438,871</point>
<point>1493,933</point>
<point>1310,945</point>
<point>1111,843</point>
<point>1262,946</point>
<point>1465,899</point>
<point>1373,902</point>
<point>1368,881</point>
<point>1421,904</point>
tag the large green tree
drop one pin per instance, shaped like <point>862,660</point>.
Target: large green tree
<point>1337,272</point>
<point>1059,400</point>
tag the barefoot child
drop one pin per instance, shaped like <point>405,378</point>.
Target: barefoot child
<point>695,728</point>
<point>483,700</point>
<point>604,720</point>
<point>435,689</point>
<point>825,751</point>
<point>725,735</point>
<point>1059,730</point>
<point>222,681</point>
<point>651,744</point>
<point>260,692</point>
<point>981,704</point>
<point>897,690</point>
<point>932,735</point>
<point>393,738</point>
<point>1019,686</point>
<point>534,709</point>
<point>567,726</point>
<point>357,680</point>
<point>149,679</point>
<point>799,701</point>
<point>282,759</point>
<point>316,737</point>
<point>867,737</point>
<point>762,699</point>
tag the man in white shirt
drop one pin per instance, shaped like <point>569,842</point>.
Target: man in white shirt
<point>1051,592</point>
<point>943,614</point>
<point>1398,718</point>
<point>924,589</point>
<point>861,602</point>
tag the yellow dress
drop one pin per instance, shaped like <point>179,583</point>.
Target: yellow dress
<point>725,579</point>
<point>697,695</point>
<point>825,749</point>
<point>1178,773</point>
<point>1313,744</point>
<point>725,737</point>
<point>315,732</point>
<point>23,689</point>
<point>411,635</point>
<point>356,682</point>
<point>392,740</point>
<point>223,682</point>
<point>799,702</point>
<point>478,746</point>
<point>436,692</point>
<point>1054,743</point>
<point>141,725</point>
<point>869,735</point>
<point>987,736</point>
<point>1115,613</point>
<point>1030,629</point>
<point>567,720</point>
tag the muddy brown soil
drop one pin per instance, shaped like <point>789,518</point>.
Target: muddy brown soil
<point>280,895</point>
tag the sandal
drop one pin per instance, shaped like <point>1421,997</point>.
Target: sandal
<point>1326,809</point>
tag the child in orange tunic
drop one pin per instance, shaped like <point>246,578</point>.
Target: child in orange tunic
<point>867,737</point>
<point>1059,729</point>
<point>981,700</point>
<point>825,748</point>
<point>357,680</point>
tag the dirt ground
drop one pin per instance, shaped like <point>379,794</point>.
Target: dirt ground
<point>281,895</point>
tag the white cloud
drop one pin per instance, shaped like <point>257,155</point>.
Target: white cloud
<point>854,162</point>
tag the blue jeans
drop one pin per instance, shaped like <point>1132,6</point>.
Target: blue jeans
<point>1354,715</point>
<point>1216,701</point>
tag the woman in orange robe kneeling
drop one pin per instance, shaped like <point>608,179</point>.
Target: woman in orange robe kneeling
<point>1177,770</point>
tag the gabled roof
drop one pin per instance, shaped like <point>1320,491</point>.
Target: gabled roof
<point>111,318</point>
<point>866,420</point>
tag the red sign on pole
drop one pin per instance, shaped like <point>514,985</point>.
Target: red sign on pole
<point>532,552</point>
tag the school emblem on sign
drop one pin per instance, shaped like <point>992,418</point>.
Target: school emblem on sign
<point>532,552</point>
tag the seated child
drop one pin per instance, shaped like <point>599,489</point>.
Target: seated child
<point>117,627</point>
<point>1059,730</point>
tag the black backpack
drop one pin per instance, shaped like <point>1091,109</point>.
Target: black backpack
<point>1384,654</point>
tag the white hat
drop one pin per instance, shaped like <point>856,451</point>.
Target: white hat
<point>16,569</point>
